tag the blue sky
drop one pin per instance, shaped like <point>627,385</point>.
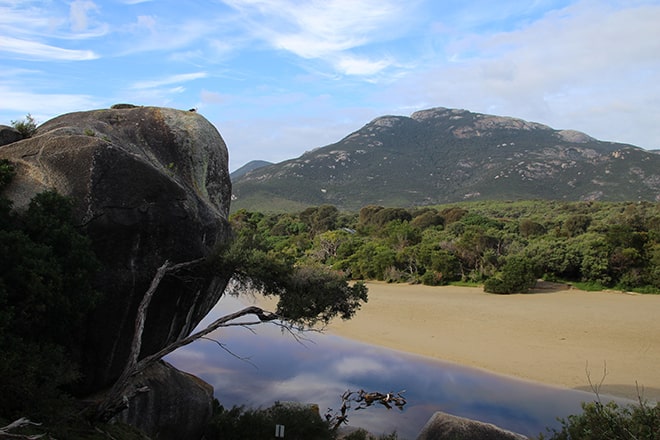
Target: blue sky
<point>279,77</point>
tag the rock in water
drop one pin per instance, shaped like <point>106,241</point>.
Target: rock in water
<point>443,426</point>
<point>149,184</point>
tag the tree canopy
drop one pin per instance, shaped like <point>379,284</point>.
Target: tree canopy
<point>504,245</point>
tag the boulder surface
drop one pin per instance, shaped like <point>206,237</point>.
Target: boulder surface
<point>176,406</point>
<point>443,426</point>
<point>150,185</point>
<point>9,135</point>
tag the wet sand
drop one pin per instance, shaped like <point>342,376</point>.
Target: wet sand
<point>557,336</point>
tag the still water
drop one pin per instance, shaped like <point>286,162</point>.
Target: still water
<point>266,365</point>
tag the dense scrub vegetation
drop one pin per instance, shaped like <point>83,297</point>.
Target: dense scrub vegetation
<point>46,267</point>
<point>46,271</point>
<point>301,422</point>
<point>610,421</point>
<point>507,246</point>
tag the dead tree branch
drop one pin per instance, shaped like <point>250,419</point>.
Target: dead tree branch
<point>119,395</point>
<point>20,423</point>
<point>596,387</point>
<point>363,400</point>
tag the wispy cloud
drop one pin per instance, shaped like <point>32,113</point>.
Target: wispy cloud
<point>78,15</point>
<point>42,106</point>
<point>34,50</point>
<point>37,20</point>
<point>352,65</point>
<point>172,79</point>
<point>327,30</point>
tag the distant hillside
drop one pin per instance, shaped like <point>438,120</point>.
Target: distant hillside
<point>250,166</point>
<point>446,155</point>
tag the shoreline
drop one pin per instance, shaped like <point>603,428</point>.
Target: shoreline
<point>560,338</point>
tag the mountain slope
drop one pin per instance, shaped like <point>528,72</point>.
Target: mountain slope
<point>446,155</point>
<point>250,166</point>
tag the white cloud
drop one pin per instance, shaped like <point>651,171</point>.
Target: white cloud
<point>586,66</point>
<point>326,30</point>
<point>34,50</point>
<point>359,366</point>
<point>78,14</point>
<point>155,33</point>
<point>351,65</point>
<point>172,79</point>
<point>42,106</point>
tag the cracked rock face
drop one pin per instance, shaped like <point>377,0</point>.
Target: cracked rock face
<point>149,184</point>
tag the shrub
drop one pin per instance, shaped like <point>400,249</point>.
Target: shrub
<point>361,434</point>
<point>46,271</point>
<point>27,127</point>
<point>301,422</point>
<point>610,421</point>
<point>517,276</point>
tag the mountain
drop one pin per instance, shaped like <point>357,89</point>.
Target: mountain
<point>445,155</point>
<point>252,165</point>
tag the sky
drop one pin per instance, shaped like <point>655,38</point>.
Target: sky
<point>281,77</point>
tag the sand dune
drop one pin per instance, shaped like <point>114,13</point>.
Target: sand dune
<point>558,337</point>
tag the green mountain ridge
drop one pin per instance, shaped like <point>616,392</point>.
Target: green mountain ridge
<point>252,165</point>
<point>445,155</point>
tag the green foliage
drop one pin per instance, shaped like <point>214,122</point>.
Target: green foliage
<point>239,423</point>
<point>427,218</point>
<point>361,434</point>
<point>7,173</point>
<point>605,245</point>
<point>378,216</point>
<point>46,270</point>
<point>309,292</point>
<point>320,219</point>
<point>47,266</point>
<point>318,294</point>
<point>576,224</point>
<point>516,276</point>
<point>529,228</point>
<point>610,421</point>
<point>27,127</point>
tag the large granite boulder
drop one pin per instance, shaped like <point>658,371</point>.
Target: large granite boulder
<point>443,426</point>
<point>149,184</point>
<point>176,406</point>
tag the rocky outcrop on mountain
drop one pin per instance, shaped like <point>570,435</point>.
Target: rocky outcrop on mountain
<point>445,155</point>
<point>176,406</point>
<point>443,426</point>
<point>9,135</point>
<point>149,185</point>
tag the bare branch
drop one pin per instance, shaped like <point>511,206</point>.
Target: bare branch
<point>119,395</point>
<point>363,400</point>
<point>596,388</point>
<point>224,347</point>
<point>19,423</point>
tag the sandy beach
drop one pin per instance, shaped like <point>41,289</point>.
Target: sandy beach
<point>555,336</point>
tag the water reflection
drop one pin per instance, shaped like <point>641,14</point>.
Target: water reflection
<point>278,368</point>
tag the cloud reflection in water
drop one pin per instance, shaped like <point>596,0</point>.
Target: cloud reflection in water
<point>320,369</point>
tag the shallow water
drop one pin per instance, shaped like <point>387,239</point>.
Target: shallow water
<point>276,367</point>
